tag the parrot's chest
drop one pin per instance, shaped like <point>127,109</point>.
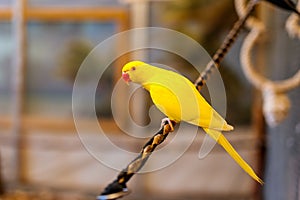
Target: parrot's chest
<point>177,103</point>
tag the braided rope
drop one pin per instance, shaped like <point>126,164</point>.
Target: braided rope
<point>276,103</point>
<point>228,41</point>
<point>135,165</point>
<point>118,185</point>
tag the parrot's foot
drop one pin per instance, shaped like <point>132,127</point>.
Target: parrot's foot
<point>165,121</point>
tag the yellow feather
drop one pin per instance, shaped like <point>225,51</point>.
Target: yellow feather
<point>178,99</point>
<point>220,138</point>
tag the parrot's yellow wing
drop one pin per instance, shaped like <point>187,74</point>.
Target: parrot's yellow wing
<point>178,99</point>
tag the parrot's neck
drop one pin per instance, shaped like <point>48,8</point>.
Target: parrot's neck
<point>147,86</point>
<point>146,75</point>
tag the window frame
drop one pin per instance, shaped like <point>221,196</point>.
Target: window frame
<point>118,15</point>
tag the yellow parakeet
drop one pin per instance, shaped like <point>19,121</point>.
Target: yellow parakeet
<point>179,100</point>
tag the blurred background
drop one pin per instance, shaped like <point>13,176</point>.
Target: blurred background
<point>44,42</point>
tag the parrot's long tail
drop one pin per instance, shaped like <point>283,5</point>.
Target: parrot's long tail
<point>220,138</point>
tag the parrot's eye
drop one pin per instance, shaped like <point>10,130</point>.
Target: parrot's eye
<point>133,68</point>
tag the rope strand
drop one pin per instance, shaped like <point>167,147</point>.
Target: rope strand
<point>225,46</point>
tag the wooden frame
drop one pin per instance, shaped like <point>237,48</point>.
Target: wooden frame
<point>19,122</point>
<point>79,14</point>
<point>59,14</point>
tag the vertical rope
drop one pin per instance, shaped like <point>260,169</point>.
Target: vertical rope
<point>276,103</point>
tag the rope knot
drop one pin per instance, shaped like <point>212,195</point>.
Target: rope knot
<point>276,106</point>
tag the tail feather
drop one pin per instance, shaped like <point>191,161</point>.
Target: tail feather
<point>220,138</point>
<point>227,127</point>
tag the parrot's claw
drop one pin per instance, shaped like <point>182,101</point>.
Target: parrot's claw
<point>165,121</point>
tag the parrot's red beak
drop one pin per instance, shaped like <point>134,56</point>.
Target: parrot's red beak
<point>126,77</point>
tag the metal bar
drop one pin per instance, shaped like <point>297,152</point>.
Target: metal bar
<point>18,85</point>
<point>1,178</point>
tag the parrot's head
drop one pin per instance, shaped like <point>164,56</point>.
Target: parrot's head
<point>134,71</point>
